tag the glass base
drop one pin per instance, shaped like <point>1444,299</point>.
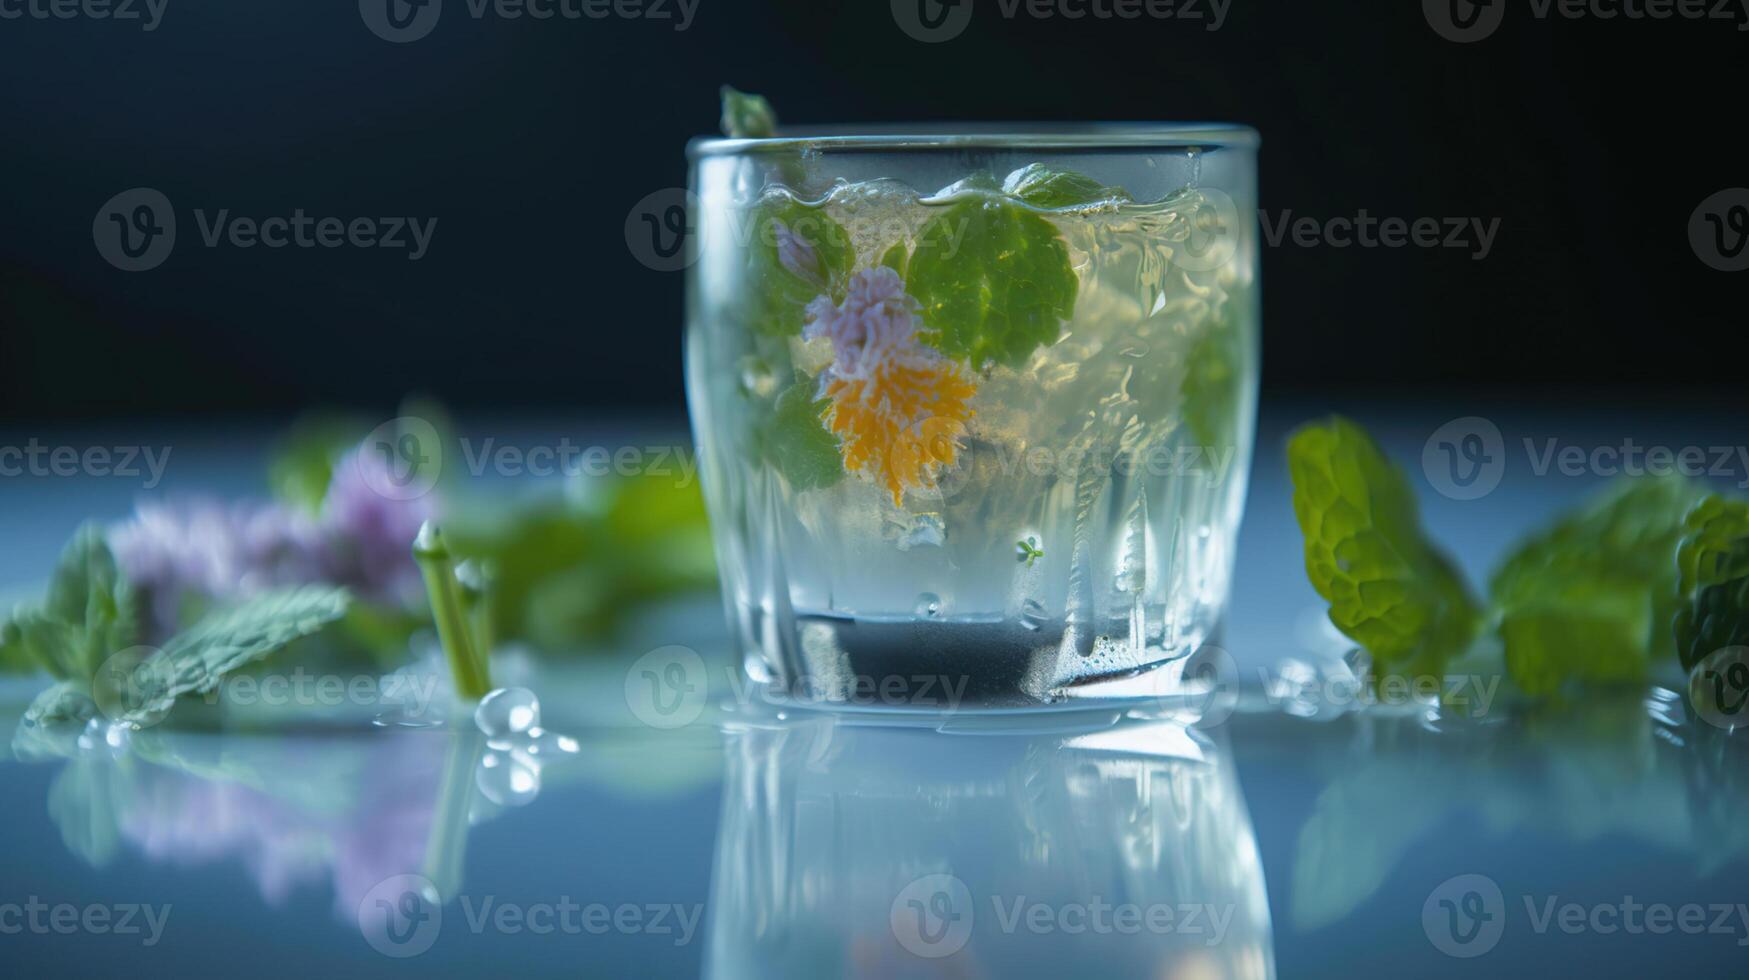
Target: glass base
<point>993,664</point>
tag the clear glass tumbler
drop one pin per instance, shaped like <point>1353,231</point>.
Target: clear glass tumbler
<point>975,411</point>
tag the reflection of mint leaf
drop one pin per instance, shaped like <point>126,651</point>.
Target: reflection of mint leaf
<point>1591,599</point>
<point>1212,384</point>
<point>1042,187</point>
<point>797,442</point>
<point>90,612</point>
<point>794,253</point>
<point>994,280</point>
<point>194,661</point>
<point>1713,564</point>
<point>1717,617</point>
<point>747,116</point>
<point>1389,589</point>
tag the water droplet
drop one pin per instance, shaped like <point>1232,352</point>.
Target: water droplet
<point>1204,531</point>
<point>1032,615</point>
<point>507,780</point>
<point>508,711</point>
<point>928,605</point>
<point>100,733</point>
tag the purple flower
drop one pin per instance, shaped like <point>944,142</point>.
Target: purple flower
<point>370,535</point>
<point>207,549</point>
<point>210,549</point>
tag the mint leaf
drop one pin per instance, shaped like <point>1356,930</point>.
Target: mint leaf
<point>1389,588</point>
<point>302,464</point>
<point>194,661</point>
<point>89,594</point>
<point>67,701</point>
<point>794,253</point>
<point>1592,598</point>
<point>994,281</point>
<point>1715,544</point>
<point>1713,580</point>
<point>747,116</point>
<point>896,259</point>
<point>1042,187</point>
<point>89,612</point>
<point>797,442</point>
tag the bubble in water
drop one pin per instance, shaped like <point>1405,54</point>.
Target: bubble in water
<point>928,605</point>
<point>1032,615</point>
<point>508,711</point>
<point>507,780</point>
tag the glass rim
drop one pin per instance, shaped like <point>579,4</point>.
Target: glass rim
<point>987,136</point>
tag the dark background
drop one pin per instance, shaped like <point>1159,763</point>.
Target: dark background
<point>1592,141</point>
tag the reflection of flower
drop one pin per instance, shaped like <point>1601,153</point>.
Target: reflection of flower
<point>899,406</point>
<point>207,549</point>
<point>362,821</point>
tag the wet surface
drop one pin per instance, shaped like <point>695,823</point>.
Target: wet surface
<point>1298,833</point>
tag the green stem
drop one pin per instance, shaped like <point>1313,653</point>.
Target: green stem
<point>466,665</point>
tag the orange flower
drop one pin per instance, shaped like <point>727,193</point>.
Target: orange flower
<point>898,408</point>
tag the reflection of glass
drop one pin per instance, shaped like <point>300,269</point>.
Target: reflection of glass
<point>871,851</point>
<point>966,426</point>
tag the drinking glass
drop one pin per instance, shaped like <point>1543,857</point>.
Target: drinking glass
<point>975,410</point>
